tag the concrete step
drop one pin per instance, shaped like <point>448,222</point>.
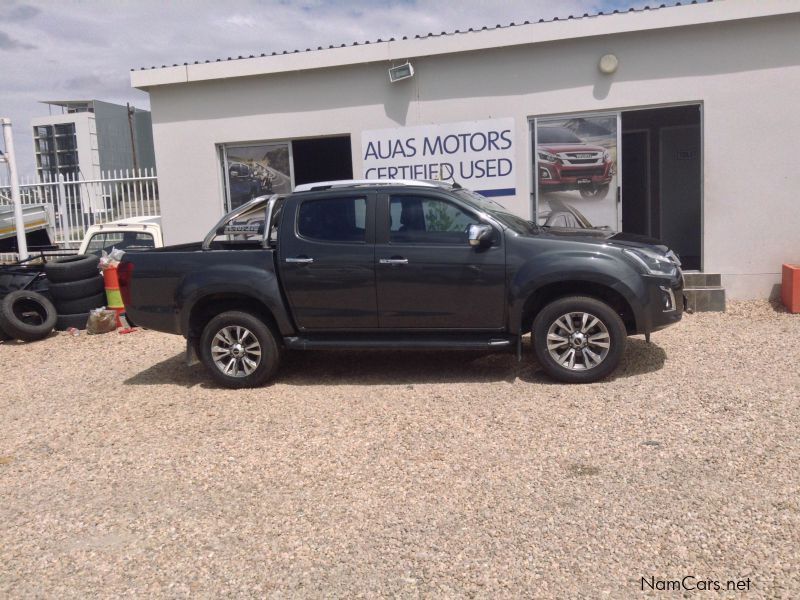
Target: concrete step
<point>696,279</point>
<point>705,299</point>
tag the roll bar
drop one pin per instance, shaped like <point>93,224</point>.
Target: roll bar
<point>219,228</point>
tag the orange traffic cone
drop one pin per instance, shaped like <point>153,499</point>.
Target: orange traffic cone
<point>113,295</point>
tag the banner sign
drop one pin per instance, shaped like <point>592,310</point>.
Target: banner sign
<point>478,155</point>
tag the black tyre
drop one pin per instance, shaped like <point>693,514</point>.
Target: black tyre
<point>4,336</point>
<point>578,339</point>
<point>239,350</point>
<point>81,305</point>
<point>595,192</point>
<point>79,321</point>
<point>71,268</point>
<point>27,316</point>
<point>73,290</point>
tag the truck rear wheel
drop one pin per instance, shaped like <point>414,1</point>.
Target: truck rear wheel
<point>578,339</point>
<point>239,350</point>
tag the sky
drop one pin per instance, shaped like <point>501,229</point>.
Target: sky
<point>84,49</point>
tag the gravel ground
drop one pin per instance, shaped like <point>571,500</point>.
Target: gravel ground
<point>122,471</point>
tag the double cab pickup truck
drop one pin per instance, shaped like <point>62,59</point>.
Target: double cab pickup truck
<point>395,265</point>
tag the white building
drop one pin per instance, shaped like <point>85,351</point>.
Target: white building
<point>677,123</point>
<point>87,140</point>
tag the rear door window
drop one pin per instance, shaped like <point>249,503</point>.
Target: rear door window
<point>333,219</point>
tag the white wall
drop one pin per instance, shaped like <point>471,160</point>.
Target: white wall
<point>745,73</point>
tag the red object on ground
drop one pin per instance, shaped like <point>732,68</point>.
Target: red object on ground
<point>790,288</point>
<point>120,315</point>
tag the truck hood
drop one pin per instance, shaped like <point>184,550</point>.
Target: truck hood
<point>605,236</point>
<point>556,148</point>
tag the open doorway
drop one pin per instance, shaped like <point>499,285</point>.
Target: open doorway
<point>252,169</point>
<point>662,178</point>
<point>322,159</point>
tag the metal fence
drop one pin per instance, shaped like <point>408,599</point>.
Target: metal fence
<point>80,203</point>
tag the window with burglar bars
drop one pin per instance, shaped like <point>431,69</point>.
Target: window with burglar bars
<point>56,151</point>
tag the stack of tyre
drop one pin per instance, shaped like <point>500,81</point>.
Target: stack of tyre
<point>76,286</point>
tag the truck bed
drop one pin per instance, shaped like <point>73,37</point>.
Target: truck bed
<point>178,276</point>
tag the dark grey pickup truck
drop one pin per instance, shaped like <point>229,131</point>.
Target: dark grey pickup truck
<point>400,265</point>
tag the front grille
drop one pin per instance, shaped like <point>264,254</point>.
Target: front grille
<point>582,161</point>
<point>582,172</point>
<point>582,155</point>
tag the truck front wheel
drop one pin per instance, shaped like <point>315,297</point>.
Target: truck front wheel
<point>239,350</point>
<point>578,339</point>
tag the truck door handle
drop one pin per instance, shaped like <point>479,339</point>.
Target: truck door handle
<point>303,260</point>
<point>393,261</point>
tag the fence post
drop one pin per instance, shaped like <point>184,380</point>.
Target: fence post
<point>62,208</point>
<point>16,199</point>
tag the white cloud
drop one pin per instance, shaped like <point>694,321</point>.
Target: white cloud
<point>85,49</point>
<point>241,21</point>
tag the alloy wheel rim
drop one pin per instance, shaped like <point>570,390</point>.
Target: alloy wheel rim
<point>578,341</point>
<point>236,351</point>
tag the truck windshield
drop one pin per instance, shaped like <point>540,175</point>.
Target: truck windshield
<point>122,240</point>
<point>498,211</point>
<point>556,135</point>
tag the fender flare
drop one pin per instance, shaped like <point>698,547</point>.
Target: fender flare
<point>603,271</point>
<point>252,284</point>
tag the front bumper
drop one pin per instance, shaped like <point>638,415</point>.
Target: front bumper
<point>665,303</point>
<point>553,175</point>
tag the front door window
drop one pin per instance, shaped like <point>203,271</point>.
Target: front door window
<point>419,220</point>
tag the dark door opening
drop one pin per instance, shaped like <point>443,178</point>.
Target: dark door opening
<point>636,182</point>
<point>661,178</point>
<point>322,159</point>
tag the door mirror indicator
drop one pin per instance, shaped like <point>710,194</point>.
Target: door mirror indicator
<point>479,234</point>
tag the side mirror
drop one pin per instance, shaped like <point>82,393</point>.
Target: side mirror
<point>479,233</point>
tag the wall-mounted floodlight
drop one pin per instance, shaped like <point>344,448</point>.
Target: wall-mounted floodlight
<point>608,64</point>
<point>405,71</point>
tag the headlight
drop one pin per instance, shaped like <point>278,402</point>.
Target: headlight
<point>606,156</point>
<point>653,262</point>
<point>547,156</point>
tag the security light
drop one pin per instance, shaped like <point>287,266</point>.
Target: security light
<point>405,71</point>
<point>608,64</point>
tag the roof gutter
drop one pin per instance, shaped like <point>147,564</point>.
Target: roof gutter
<point>449,43</point>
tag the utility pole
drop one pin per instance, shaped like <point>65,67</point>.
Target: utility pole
<point>133,143</point>
<point>10,158</point>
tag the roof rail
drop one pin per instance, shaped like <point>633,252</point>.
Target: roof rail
<point>325,185</point>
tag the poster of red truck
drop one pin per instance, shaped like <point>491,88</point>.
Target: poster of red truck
<point>575,160</point>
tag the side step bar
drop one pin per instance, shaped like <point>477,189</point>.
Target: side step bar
<point>399,343</point>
